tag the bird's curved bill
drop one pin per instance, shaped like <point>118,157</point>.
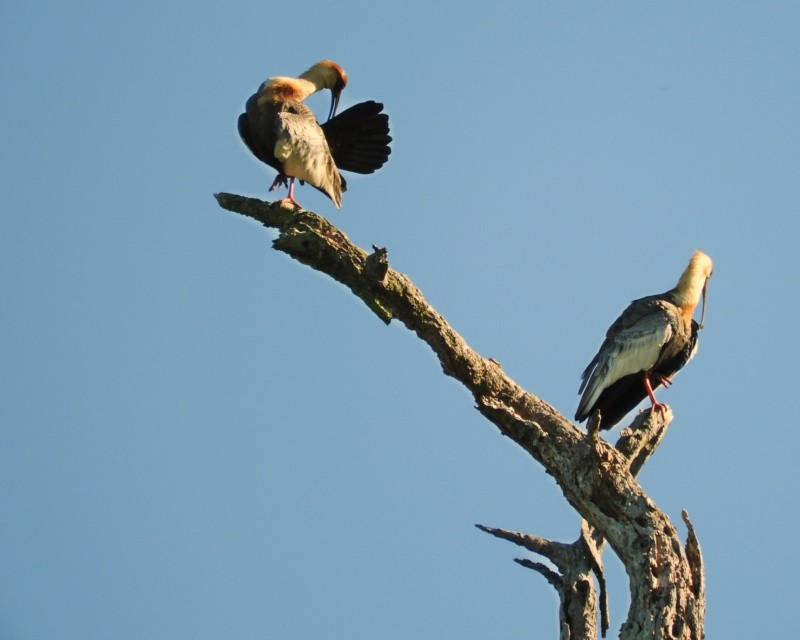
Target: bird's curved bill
<point>334,102</point>
<point>703,312</point>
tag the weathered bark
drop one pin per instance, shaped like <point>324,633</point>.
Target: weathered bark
<point>576,562</point>
<point>595,478</point>
<point>582,558</point>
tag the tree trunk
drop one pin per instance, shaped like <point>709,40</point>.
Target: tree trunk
<point>597,479</point>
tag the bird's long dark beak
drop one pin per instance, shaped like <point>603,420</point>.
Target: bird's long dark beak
<point>703,312</point>
<point>335,93</point>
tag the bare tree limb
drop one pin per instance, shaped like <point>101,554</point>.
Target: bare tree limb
<point>594,477</point>
<point>551,576</point>
<point>557,552</point>
<point>578,610</point>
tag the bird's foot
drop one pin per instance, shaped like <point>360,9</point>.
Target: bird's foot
<point>659,407</point>
<point>280,181</point>
<point>290,202</point>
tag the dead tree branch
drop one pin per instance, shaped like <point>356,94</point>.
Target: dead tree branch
<point>579,560</point>
<point>594,477</point>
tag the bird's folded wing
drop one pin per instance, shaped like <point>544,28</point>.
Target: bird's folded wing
<point>301,147</point>
<point>634,349</point>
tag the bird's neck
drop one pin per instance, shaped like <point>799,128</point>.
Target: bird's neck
<point>285,89</point>
<point>690,286</point>
<point>688,291</point>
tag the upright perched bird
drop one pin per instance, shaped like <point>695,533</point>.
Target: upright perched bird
<point>622,396</point>
<point>649,342</point>
<point>282,131</point>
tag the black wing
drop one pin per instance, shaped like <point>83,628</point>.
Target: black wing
<point>359,137</point>
<point>261,146</point>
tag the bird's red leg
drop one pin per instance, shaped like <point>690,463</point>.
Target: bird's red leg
<point>665,380</point>
<point>657,406</point>
<point>290,198</point>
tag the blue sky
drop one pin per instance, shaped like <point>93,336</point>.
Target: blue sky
<point>201,438</point>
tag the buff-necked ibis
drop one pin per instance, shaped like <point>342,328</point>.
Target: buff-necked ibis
<point>282,131</point>
<point>648,344</point>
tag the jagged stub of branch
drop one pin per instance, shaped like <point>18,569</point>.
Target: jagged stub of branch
<point>593,476</point>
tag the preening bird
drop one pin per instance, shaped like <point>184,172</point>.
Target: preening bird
<point>282,131</point>
<point>647,345</point>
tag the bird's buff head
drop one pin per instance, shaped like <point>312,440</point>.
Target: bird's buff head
<point>694,281</point>
<point>326,74</point>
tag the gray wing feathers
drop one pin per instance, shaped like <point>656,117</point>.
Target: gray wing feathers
<point>633,344</point>
<point>303,150</point>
